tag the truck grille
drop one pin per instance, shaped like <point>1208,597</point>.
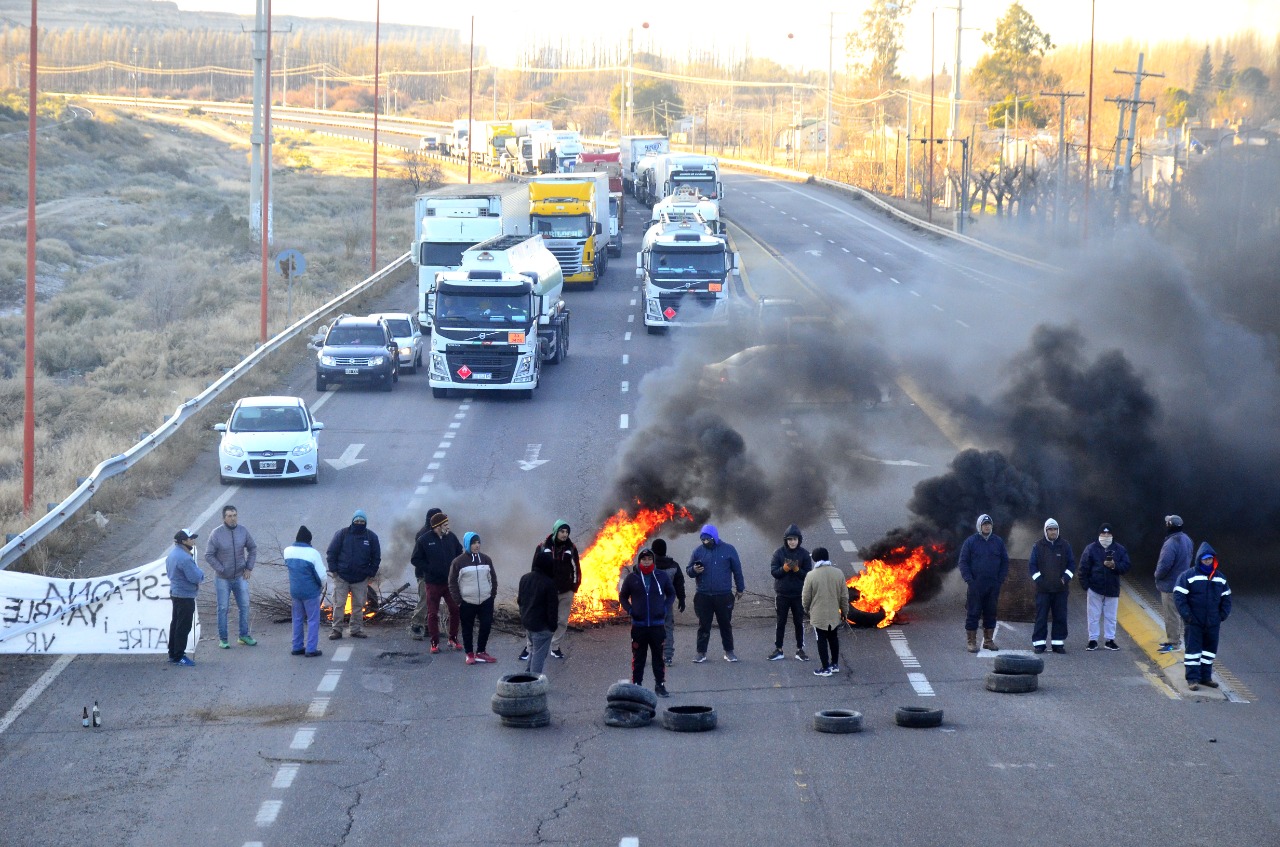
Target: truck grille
<point>568,254</point>
<point>499,366</point>
<point>690,306</point>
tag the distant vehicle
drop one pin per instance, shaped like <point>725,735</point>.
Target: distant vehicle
<point>685,271</point>
<point>571,211</point>
<point>774,315</point>
<point>408,337</point>
<point>819,366</point>
<point>359,350</point>
<point>429,143</point>
<point>269,438</point>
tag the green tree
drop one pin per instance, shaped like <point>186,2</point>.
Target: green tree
<point>873,52</point>
<point>1226,71</point>
<point>1252,81</point>
<point>1015,65</point>
<point>1202,90</point>
<point>1178,100</point>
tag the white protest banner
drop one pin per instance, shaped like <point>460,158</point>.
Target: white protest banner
<point>120,613</point>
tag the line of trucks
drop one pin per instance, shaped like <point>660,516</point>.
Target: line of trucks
<point>522,146</point>
<point>493,260</point>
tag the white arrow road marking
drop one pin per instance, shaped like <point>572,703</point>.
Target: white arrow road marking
<point>814,252</point>
<point>903,463</point>
<point>531,460</point>
<point>348,457</point>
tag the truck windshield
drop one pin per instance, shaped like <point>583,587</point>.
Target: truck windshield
<point>561,226</point>
<point>703,182</point>
<point>447,254</point>
<point>676,269</point>
<point>463,311</point>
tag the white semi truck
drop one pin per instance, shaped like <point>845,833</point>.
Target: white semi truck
<point>673,170</point>
<point>449,219</point>
<point>499,318</point>
<point>555,151</point>
<point>633,148</point>
<point>688,204</point>
<point>685,269</point>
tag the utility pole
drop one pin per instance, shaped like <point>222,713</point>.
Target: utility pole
<point>1121,173</point>
<point>1062,148</point>
<point>953,127</point>
<point>260,157</point>
<point>831,36</point>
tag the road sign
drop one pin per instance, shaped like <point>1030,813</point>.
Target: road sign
<point>291,263</point>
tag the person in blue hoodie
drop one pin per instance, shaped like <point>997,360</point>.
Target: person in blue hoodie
<point>984,564</point>
<point>306,578</point>
<point>1204,601</point>
<point>717,571</point>
<point>789,566</point>
<point>185,577</point>
<point>647,595</point>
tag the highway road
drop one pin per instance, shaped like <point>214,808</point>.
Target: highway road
<point>379,741</point>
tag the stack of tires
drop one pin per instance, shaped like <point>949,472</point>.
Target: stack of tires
<point>1015,674</point>
<point>629,706</point>
<point>521,701</point>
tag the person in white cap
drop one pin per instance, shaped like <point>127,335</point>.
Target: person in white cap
<point>1175,557</point>
<point>984,564</point>
<point>1051,562</point>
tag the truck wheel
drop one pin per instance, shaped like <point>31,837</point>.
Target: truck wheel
<point>439,393</point>
<point>653,330</point>
<point>526,394</point>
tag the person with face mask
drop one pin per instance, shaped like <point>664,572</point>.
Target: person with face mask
<point>789,566</point>
<point>647,595</point>
<point>353,558</point>
<point>185,577</point>
<point>1051,562</point>
<point>717,571</point>
<point>1102,564</point>
<point>1204,601</point>
<point>984,564</point>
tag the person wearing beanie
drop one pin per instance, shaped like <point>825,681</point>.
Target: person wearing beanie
<point>1051,562</point>
<point>1204,601</point>
<point>306,579</point>
<point>353,558</point>
<point>473,582</point>
<point>434,550</point>
<point>671,568</point>
<point>567,572</point>
<point>984,564</point>
<point>717,571</point>
<point>824,596</point>
<point>791,563</point>
<point>1102,564</point>
<point>647,595</point>
<point>539,609</point>
<point>1175,557</point>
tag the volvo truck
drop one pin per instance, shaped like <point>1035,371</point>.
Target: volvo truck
<point>685,269</point>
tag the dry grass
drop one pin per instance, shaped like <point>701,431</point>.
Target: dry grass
<point>148,286</point>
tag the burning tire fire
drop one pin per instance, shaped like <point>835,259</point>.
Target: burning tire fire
<point>887,584</point>
<point>615,546</point>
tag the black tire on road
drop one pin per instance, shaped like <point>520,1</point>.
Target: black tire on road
<point>439,393</point>
<point>1009,663</point>
<point>689,718</point>
<point>653,330</point>
<point>522,685</point>
<point>313,479</point>
<point>1012,683</point>
<point>321,385</point>
<point>631,706</point>
<point>839,721</point>
<point>634,693</point>
<point>516,707</point>
<point>917,717</point>
<point>534,721</point>
<point>626,720</point>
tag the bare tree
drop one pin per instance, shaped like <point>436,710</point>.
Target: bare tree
<point>421,172</point>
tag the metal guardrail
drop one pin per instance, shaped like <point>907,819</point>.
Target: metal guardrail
<point>18,545</point>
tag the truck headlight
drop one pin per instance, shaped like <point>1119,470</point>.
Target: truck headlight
<point>327,361</point>
<point>439,370</point>
<point>652,309</point>
<point>524,370</point>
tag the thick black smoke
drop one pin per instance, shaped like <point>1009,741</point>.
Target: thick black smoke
<point>716,446</point>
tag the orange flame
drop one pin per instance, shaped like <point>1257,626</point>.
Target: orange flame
<point>885,584</point>
<point>615,546</point>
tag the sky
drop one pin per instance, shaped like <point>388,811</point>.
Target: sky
<point>802,42</point>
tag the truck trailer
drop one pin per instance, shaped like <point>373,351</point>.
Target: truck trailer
<point>609,164</point>
<point>633,148</point>
<point>449,219</point>
<point>571,212</point>
<point>498,319</point>
<point>671,171</point>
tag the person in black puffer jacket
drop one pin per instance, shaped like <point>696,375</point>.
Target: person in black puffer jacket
<point>789,566</point>
<point>1102,564</point>
<point>353,558</point>
<point>434,550</point>
<point>539,607</point>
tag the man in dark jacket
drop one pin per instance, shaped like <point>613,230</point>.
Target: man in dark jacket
<point>434,550</point>
<point>717,571</point>
<point>567,572</point>
<point>1204,601</point>
<point>790,563</point>
<point>647,595</point>
<point>1102,564</point>
<point>671,568</point>
<point>353,557</point>
<point>1175,558</point>
<point>984,564</point>
<point>1051,562</point>
<point>539,609</point>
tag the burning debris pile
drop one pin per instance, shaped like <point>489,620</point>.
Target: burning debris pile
<point>615,546</point>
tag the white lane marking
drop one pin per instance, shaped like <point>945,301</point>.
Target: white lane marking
<point>626,337</point>
<point>438,455</point>
<point>631,318</point>
<point>433,466</point>
<point>428,478</point>
<point>462,407</point>
<point>215,507</point>
<point>877,270</point>
<point>267,812</point>
<point>285,776</point>
<point>459,416</point>
<point>319,705</point>
<point>303,738</point>
<point>449,435</point>
<point>633,301</point>
<point>963,324</point>
<point>939,308</point>
<point>37,688</point>
<point>330,680</point>
<point>625,359</point>
<point>860,259</point>
<point>343,653</point>
<point>443,445</point>
<point>626,386</point>
<point>894,280</point>
<point>806,226</point>
<point>845,249</point>
<point>324,398</point>
<point>252,844</point>
<point>837,526</point>
<point>920,684</point>
<point>624,422</point>
<point>455,425</point>
<point>829,241</point>
<point>849,546</point>
<point>916,293</point>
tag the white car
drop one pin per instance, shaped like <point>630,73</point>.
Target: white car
<point>269,438</point>
<point>408,335</point>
